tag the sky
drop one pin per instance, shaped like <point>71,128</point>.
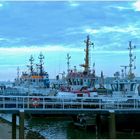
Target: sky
<point>56,28</point>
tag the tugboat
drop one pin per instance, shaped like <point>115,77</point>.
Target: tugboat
<point>85,78</point>
<point>35,82</point>
<point>38,78</point>
<point>79,83</point>
<point>124,87</point>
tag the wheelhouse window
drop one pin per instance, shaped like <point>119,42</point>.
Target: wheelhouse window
<point>122,88</point>
<point>132,87</point>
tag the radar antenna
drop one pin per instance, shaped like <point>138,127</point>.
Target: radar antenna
<point>88,44</point>
<point>31,60</point>
<point>131,61</point>
<point>68,62</point>
<point>18,74</point>
<point>40,65</point>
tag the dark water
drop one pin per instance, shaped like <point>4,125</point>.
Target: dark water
<point>59,128</point>
<point>63,128</point>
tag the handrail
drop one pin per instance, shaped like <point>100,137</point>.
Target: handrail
<point>53,102</point>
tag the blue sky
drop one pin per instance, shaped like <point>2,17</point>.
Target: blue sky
<point>60,27</point>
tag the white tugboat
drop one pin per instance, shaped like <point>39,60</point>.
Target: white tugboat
<point>34,82</point>
<point>79,83</point>
<point>124,87</point>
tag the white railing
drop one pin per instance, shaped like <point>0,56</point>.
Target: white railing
<point>46,102</point>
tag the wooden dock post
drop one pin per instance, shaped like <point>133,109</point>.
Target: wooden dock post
<point>13,126</point>
<point>21,124</point>
<point>112,124</point>
<point>98,125</point>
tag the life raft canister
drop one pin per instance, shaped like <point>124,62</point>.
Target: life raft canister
<point>35,102</point>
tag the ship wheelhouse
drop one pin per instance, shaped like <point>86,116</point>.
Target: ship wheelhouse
<point>124,87</point>
<point>80,79</point>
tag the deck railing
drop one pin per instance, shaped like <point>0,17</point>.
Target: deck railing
<point>82,103</point>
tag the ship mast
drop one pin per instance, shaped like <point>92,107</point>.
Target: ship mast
<point>86,65</point>
<point>125,67</point>
<point>18,75</point>
<point>102,80</point>
<point>31,65</point>
<point>68,62</point>
<point>131,60</point>
<point>40,65</point>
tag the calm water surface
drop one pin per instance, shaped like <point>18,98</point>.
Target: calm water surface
<point>59,128</point>
<point>62,128</point>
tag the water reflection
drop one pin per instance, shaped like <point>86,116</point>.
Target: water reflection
<point>60,128</point>
<point>63,128</point>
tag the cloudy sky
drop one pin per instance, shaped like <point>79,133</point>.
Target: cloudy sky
<point>58,28</point>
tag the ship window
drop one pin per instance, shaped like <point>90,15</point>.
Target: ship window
<point>81,82</point>
<point>40,80</point>
<point>121,87</point>
<point>132,87</point>
<point>79,95</point>
<point>69,81</point>
<point>78,82</point>
<point>115,87</point>
<point>89,82</point>
<point>74,82</point>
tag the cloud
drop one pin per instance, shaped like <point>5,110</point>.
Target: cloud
<point>1,5</point>
<point>57,48</point>
<point>122,8</point>
<point>73,3</point>
<point>6,41</point>
<point>137,5</point>
<point>3,39</point>
<point>92,31</point>
<point>47,48</point>
<point>132,29</point>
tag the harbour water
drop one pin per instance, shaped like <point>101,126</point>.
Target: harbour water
<point>63,128</point>
<point>60,128</point>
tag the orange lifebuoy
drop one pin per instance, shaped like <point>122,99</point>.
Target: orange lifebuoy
<point>35,102</point>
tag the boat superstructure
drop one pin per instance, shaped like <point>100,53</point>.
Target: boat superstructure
<point>86,77</point>
<point>35,81</point>
<point>85,83</point>
<point>80,82</point>
<point>124,86</point>
<point>35,77</point>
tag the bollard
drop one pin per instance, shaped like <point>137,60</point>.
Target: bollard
<point>98,126</point>
<point>112,125</point>
<point>13,126</point>
<point>21,124</point>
